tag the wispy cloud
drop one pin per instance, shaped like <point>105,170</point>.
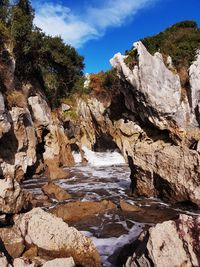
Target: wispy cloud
<point>76,29</point>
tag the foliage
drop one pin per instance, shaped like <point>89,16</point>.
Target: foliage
<point>180,41</point>
<point>108,81</point>
<point>55,65</point>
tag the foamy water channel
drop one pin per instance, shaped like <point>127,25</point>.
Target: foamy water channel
<point>106,177</point>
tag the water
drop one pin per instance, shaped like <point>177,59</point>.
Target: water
<point>106,177</point>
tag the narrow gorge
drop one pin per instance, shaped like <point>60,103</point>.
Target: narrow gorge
<point>107,178</point>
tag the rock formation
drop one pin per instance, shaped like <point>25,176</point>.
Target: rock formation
<point>170,244</point>
<point>158,133</point>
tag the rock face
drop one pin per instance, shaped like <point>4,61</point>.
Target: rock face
<point>55,238</point>
<point>156,92</point>
<point>170,244</point>
<point>30,139</point>
<point>157,130</point>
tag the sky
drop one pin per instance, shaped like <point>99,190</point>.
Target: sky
<point>100,28</point>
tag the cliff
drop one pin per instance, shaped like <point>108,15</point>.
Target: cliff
<point>158,129</point>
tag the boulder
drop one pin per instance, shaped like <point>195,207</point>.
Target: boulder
<point>171,244</point>
<point>39,262</point>
<point>3,261</point>
<point>12,240</point>
<point>63,262</point>
<point>75,211</point>
<point>54,238</point>
<point>12,197</point>
<point>55,191</point>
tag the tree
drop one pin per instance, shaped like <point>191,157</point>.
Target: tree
<point>21,31</point>
<point>4,11</point>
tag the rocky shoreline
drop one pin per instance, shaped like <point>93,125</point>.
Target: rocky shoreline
<point>158,135</point>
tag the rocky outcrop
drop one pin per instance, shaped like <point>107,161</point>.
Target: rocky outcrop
<point>54,238</point>
<point>75,211</point>
<point>31,140</point>
<point>155,93</point>
<point>171,244</point>
<point>157,131</point>
<point>54,190</point>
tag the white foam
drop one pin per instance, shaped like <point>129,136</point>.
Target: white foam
<point>103,158</point>
<point>107,246</point>
<point>77,157</point>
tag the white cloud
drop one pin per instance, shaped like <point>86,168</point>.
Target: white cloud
<point>76,29</point>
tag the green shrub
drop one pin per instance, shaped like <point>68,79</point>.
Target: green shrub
<point>180,41</point>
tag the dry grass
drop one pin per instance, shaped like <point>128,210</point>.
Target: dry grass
<point>16,99</point>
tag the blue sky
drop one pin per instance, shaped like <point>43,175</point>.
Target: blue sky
<point>100,28</point>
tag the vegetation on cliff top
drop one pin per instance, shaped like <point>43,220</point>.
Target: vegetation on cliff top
<point>41,58</point>
<point>180,41</point>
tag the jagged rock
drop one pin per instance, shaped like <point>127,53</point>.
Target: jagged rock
<point>57,146</point>
<point>40,111</point>
<point>75,211</point>
<point>194,74</point>
<point>4,119</point>
<point>12,198</point>
<point>54,190</point>
<point>55,238</point>
<point>170,244</point>
<point>155,92</point>
<point>12,240</point>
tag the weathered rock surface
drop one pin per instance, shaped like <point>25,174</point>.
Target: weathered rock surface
<point>194,73</point>
<point>75,211</point>
<point>156,92</point>
<point>3,261</point>
<point>38,262</point>
<point>53,190</point>
<point>12,240</point>
<point>54,238</point>
<point>157,130</point>
<point>171,244</point>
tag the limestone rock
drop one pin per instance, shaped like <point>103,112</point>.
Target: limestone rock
<point>75,211</point>
<point>54,172</point>
<point>55,238</point>
<point>12,240</point>
<point>4,120</point>
<point>3,261</point>
<point>38,262</point>
<point>53,190</point>
<point>155,92</point>
<point>40,110</point>
<point>167,171</point>
<point>12,198</point>
<point>63,262</point>
<point>194,73</point>
<point>171,244</point>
